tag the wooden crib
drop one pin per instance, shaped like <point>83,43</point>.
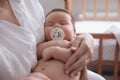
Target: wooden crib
<point>100,62</point>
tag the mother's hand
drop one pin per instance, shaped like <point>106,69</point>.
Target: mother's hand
<point>79,59</point>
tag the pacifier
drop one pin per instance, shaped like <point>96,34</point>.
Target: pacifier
<point>57,34</point>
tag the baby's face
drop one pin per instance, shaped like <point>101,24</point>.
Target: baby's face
<point>61,21</point>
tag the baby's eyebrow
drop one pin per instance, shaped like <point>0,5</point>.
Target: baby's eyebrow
<point>48,22</point>
<point>63,20</point>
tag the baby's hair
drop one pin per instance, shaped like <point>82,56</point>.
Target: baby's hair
<point>62,10</point>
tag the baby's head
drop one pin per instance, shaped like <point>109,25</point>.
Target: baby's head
<point>59,24</point>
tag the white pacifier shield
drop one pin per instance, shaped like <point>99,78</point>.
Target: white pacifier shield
<point>57,34</point>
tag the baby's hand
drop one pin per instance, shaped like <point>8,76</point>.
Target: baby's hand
<point>63,43</point>
<point>51,52</point>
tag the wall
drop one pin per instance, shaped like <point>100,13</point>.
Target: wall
<point>51,4</point>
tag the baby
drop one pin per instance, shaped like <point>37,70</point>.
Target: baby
<point>53,54</point>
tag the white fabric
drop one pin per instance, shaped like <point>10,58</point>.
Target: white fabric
<point>94,76</point>
<point>116,31</point>
<point>18,43</point>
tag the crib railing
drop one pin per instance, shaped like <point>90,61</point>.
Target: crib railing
<point>69,6</point>
<point>101,37</point>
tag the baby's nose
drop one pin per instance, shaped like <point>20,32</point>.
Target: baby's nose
<point>57,25</point>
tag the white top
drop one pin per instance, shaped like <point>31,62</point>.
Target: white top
<point>18,43</point>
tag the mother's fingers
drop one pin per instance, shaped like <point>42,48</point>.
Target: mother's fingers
<point>76,71</point>
<point>84,47</point>
<point>78,65</point>
<point>76,42</point>
<point>75,57</point>
<point>78,53</point>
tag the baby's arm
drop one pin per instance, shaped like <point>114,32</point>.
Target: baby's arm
<point>61,43</point>
<point>56,52</point>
